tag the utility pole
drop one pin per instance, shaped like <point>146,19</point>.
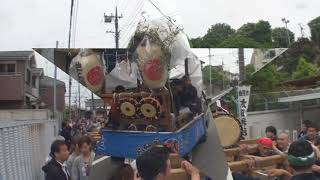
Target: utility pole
<point>241,64</point>
<point>210,71</point>
<point>69,44</point>
<point>301,30</point>
<point>109,19</point>
<point>92,102</point>
<point>55,87</point>
<point>79,108</point>
<point>222,75</point>
<point>286,21</point>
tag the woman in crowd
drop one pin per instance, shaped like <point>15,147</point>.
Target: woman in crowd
<point>74,152</point>
<point>305,125</point>
<point>83,163</point>
<point>271,132</point>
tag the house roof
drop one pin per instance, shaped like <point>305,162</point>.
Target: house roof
<point>15,55</point>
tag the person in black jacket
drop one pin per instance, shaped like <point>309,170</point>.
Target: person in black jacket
<point>66,133</point>
<point>189,96</point>
<point>55,169</point>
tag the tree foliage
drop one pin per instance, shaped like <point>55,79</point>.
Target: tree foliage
<point>249,69</point>
<point>280,38</point>
<point>314,26</point>
<point>221,35</point>
<point>215,35</point>
<point>302,48</point>
<point>240,41</point>
<point>218,77</point>
<point>304,69</point>
<point>266,79</point>
<point>259,32</point>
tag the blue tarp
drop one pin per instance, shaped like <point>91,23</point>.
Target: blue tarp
<point>130,144</point>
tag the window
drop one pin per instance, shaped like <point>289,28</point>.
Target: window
<point>34,78</point>
<point>28,76</point>
<point>2,68</point>
<point>270,54</point>
<point>11,68</point>
<point>7,68</point>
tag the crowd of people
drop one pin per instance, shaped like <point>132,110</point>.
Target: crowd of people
<point>302,157</point>
<point>71,156</point>
<point>75,163</point>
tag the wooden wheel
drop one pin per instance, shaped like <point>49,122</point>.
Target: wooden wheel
<point>149,108</point>
<point>128,107</point>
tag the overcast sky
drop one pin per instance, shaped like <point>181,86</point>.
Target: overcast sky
<point>39,23</point>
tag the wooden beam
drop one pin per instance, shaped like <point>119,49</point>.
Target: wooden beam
<point>179,174</point>
<point>235,151</point>
<point>175,160</point>
<point>249,141</point>
<point>261,162</point>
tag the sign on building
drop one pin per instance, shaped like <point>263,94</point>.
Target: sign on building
<point>243,103</point>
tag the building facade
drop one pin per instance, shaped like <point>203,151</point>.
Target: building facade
<point>19,79</point>
<point>47,93</point>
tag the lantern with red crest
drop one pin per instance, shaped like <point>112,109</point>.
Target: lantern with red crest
<point>88,69</point>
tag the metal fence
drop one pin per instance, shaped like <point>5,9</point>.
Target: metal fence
<point>270,100</point>
<point>24,146</point>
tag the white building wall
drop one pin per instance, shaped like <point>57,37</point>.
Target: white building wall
<point>281,119</point>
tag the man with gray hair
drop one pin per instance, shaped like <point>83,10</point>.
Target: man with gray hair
<point>282,144</point>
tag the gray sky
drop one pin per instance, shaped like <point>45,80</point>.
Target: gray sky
<point>39,23</point>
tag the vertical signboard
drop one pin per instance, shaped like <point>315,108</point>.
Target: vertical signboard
<point>243,103</point>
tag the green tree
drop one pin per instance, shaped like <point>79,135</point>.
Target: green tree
<point>279,37</point>
<point>262,32</point>
<point>218,77</point>
<point>303,47</point>
<point>259,32</point>
<point>240,41</point>
<point>304,69</point>
<point>216,34</point>
<point>196,42</point>
<point>249,69</point>
<point>314,26</point>
<point>265,79</point>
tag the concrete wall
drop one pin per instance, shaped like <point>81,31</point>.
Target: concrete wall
<point>288,119</point>
<point>24,114</point>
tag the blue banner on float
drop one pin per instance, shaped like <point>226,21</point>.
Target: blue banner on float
<point>131,144</point>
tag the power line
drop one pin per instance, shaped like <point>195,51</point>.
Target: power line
<point>134,21</point>
<point>164,15</point>
<point>131,13</point>
<point>138,9</point>
<point>75,22</point>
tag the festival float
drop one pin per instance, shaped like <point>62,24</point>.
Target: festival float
<point>146,114</point>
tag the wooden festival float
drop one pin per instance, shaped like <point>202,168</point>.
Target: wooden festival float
<point>146,115</point>
<point>230,134</point>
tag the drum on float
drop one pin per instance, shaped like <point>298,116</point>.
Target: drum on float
<point>229,129</point>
